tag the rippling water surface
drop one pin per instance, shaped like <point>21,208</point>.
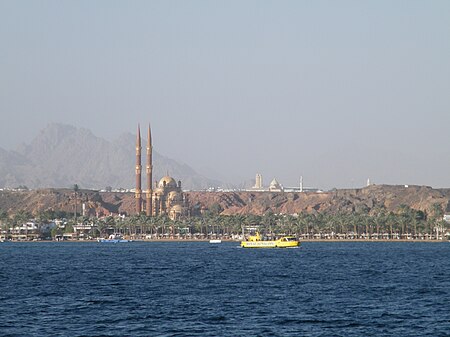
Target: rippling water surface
<point>199,289</point>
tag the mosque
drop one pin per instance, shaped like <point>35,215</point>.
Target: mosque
<point>166,197</point>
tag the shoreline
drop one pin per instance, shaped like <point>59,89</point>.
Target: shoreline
<point>228,240</point>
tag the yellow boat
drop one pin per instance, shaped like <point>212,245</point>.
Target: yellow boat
<point>255,241</point>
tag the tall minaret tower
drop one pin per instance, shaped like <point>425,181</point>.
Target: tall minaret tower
<point>258,181</point>
<point>149,169</point>
<point>138,171</point>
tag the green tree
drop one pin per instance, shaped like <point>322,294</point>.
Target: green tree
<point>4,223</point>
<point>438,216</point>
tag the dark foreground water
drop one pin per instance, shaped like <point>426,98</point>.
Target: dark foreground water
<point>199,289</point>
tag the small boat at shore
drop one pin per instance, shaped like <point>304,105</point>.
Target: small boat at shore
<point>113,238</point>
<point>256,241</point>
<point>215,241</point>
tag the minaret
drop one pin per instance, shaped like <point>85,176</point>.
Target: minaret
<point>138,171</point>
<point>149,169</point>
<point>258,181</point>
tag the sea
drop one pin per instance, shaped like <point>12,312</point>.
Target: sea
<point>202,289</point>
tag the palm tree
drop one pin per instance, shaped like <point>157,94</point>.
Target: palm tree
<point>193,224</point>
<point>163,221</point>
<point>267,221</point>
<point>313,224</point>
<point>102,227</point>
<point>390,221</point>
<point>4,223</point>
<point>21,218</point>
<point>406,218</point>
<point>354,221</point>
<point>95,232</point>
<point>300,224</point>
<point>110,223</point>
<point>437,218</point>
<point>150,225</point>
<point>341,221</point>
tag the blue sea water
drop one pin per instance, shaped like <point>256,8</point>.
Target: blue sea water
<point>200,289</point>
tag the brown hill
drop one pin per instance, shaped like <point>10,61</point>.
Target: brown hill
<point>369,199</point>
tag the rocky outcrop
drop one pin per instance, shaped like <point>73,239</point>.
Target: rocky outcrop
<point>371,199</point>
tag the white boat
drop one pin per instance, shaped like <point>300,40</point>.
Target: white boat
<point>215,241</point>
<point>113,238</point>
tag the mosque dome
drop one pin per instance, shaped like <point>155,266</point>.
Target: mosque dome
<point>167,182</point>
<point>174,196</point>
<point>177,209</point>
<point>274,183</point>
<point>275,186</point>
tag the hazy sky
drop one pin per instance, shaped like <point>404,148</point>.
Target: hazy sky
<point>336,91</point>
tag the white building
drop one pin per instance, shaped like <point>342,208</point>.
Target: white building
<point>258,182</point>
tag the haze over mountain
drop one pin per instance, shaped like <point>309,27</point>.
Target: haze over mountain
<point>335,92</point>
<point>63,155</point>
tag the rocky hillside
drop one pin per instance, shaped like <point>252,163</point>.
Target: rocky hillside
<point>369,199</point>
<point>62,155</point>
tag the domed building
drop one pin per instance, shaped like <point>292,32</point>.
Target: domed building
<point>275,186</point>
<point>168,198</point>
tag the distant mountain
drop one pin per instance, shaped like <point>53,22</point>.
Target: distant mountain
<point>63,155</point>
